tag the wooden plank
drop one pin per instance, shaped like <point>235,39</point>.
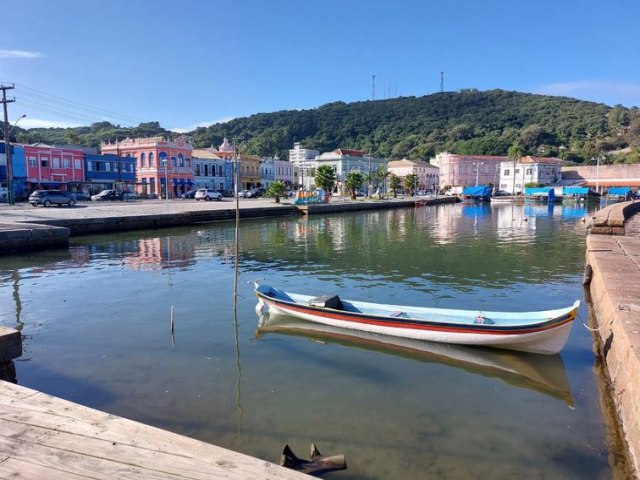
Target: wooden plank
<point>38,431</point>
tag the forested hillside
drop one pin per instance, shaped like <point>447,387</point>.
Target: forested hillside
<point>468,122</point>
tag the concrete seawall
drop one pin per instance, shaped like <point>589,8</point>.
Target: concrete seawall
<point>614,262</point>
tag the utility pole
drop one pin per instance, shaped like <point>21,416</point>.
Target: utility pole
<point>7,142</point>
<point>373,87</point>
<point>441,82</point>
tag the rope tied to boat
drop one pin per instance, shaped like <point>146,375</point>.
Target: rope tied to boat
<point>619,307</point>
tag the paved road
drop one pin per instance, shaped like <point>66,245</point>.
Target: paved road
<point>26,213</point>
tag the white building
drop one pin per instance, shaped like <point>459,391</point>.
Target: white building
<point>274,169</point>
<point>344,161</point>
<point>542,170</point>
<point>427,174</point>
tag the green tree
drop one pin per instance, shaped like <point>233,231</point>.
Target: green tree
<point>411,182</point>
<point>353,182</point>
<point>276,190</point>
<point>325,177</point>
<point>394,184</point>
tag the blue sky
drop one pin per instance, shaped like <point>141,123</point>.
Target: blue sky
<point>195,62</point>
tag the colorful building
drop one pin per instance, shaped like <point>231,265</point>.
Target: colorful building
<point>108,171</point>
<point>468,170</point>
<point>53,167</point>
<point>427,175</point>
<point>212,171</point>
<point>161,163</point>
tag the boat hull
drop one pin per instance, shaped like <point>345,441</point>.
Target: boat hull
<point>546,337</point>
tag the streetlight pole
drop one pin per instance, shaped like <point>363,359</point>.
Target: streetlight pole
<point>166,185</point>
<point>478,171</point>
<point>598,174</point>
<point>7,146</point>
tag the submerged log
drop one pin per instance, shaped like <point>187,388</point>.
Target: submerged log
<point>316,465</point>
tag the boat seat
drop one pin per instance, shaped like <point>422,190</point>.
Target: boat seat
<point>327,301</point>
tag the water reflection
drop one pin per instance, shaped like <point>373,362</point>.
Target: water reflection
<point>541,373</point>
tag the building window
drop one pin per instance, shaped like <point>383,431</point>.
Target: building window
<point>528,171</point>
<point>55,162</point>
<point>90,166</point>
<point>507,172</point>
<point>188,162</point>
<point>143,159</point>
<point>180,160</point>
<point>173,161</point>
<point>151,159</point>
<point>33,161</point>
<point>44,163</point>
<point>198,169</point>
<point>66,162</point>
<point>78,164</point>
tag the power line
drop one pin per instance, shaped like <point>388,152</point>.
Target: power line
<point>62,107</point>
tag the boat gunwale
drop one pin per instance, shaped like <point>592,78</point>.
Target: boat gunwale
<point>416,324</point>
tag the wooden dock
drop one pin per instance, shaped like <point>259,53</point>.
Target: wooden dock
<point>45,437</point>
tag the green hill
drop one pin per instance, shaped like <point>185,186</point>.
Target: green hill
<point>468,122</point>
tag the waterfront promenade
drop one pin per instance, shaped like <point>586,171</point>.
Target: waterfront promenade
<point>613,273</point>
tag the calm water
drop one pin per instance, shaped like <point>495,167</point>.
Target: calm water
<point>96,321</point>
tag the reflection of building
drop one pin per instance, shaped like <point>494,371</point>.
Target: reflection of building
<point>514,176</point>
<point>426,173</point>
<point>159,161</point>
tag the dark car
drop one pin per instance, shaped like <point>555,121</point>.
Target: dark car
<point>106,196</point>
<point>189,194</point>
<point>47,198</point>
<point>81,196</point>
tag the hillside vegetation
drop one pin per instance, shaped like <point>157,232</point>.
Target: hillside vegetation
<point>469,122</point>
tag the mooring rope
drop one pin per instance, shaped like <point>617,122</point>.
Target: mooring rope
<point>618,308</point>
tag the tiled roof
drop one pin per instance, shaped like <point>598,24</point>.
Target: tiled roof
<point>351,153</point>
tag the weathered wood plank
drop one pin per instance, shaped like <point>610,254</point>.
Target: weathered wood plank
<point>63,438</point>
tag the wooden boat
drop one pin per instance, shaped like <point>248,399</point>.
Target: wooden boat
<point>540,373</point>
<point>538,332</point>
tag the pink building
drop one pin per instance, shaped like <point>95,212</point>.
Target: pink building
<point>468,170</point>
<point>159,162</point>
<point>53,167</point>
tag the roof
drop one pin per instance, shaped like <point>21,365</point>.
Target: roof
<point>550,160</point>
<point>204,154</point>
<point>351,153</point>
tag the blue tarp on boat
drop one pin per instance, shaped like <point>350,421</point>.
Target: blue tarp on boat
<point>575,191</point>
<point>620,191</point>
<point>477,192</point>
<point>541,192</point>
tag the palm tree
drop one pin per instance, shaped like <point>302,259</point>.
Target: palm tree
<point>410,182</point>
<point>353,182</point>
<point>277,189</point>
<point>325,177</point>
<point>515,153</point>
<point>394,184</point>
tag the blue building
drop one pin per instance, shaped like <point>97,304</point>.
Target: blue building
<point>109,171</point>
<point>18,171</point>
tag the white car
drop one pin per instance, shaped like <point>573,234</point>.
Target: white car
<point>207,194</point>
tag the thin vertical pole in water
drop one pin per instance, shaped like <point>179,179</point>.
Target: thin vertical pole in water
<point>235,289</point>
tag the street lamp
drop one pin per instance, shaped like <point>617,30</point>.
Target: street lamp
<point>7,145</point>
<point>166,184</point>
<point>478,171</point>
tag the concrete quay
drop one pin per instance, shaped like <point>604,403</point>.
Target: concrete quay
<point>613,268</point>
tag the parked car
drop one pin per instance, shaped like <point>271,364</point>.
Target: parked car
<point>189,194</point>
<point>106,196</point>
<point>81,196</point>
<point>207,194</point>
<point>129,195</point>
<point>246,194</point>
<point>259,192</point>
<point>47,198</point>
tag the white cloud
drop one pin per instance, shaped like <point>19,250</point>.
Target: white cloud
<point>40,123</point>
<point>610,93</point>
<point>19,54</point>
<point>201,124</point>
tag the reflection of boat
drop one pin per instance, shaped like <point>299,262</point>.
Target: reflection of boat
<point>538,332</point>
<point>541,373</point>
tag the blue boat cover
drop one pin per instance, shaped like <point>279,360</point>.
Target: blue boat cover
<point>541,192</point>
<point>621,191</point>
<point>575,191</point>
<point>478,191</point>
